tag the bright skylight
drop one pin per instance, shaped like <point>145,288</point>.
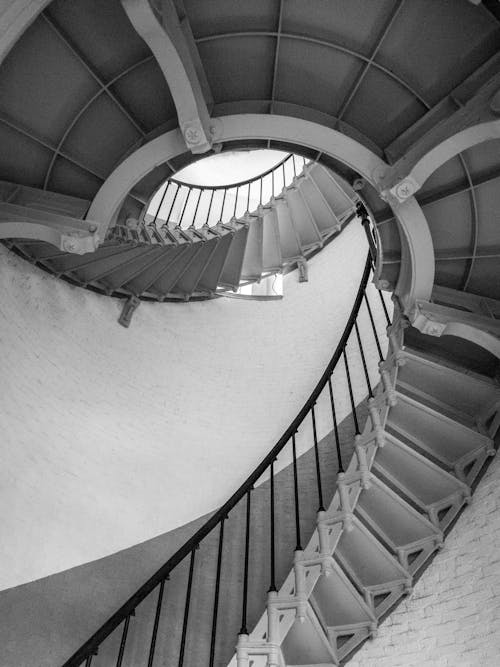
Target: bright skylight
<point>230,167</point>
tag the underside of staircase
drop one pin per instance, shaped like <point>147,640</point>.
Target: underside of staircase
<point>160,259</point>
<point>427,439</point>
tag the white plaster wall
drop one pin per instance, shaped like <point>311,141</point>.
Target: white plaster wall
<point>110,436</point>
<point>452,617</point>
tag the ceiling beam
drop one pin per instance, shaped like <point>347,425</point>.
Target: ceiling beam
<point>468,116</point>
<point>167,40</point>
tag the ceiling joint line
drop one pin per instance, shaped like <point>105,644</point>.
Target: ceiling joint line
<point>319,42</point>
<point>90,70</point>
<point>276,56</point>
<point>79,114</point>
<point>388,25</point>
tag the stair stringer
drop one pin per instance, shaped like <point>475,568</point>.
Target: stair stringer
<point>294,603</point>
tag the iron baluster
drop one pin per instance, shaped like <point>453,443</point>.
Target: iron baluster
<point>186,609</point>
<point>196,209</point>
<point>184,207</point>
<point>236,202</point>
<point>335,426</point>
<point>261,191</point>
<point>294,167</point>
<point>284,177</point>
<point>155,626</point>
<point>386,313</point>
<point>244,629</point>
<point>248,199</point>
<point>272,183</point>
<point>160,204</point>
<point>216,596</point>
<point>365,367</point>
<point>298,546</point>
<point>272,587</point>
<point>351,395</point>
<point>321,507</point>
<point>210,207</point>
<point>172,205</point>
<point>123,641</point>
<point>379,349</point>
<point>223,204</point>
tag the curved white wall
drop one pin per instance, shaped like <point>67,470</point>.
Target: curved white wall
<point>111,436</point>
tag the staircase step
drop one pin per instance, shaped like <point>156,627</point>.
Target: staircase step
<point>454,446</point>
<point>338,201</point>
<point>325,219</point>
<point>289,242</point>
<point>398,525</point>
<point>167,257</point>
<point>461,396</point>
<point>210,277</point>
<point>253,259</point>
<point>189,279</point>
<point>307,643</point>
<point>429,487</point>
<point>135,267</point>
<point>104,266</point>
<point>231,273</point>
<point>175,270</point>
<point>66,262</point>
<point>377,574</point>
<point>271,248</point>
<point>305,227</point>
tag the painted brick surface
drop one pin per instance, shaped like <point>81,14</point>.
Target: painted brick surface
<point>112,436</point>
<point>452,617</point>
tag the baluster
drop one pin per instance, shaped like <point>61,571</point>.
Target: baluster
<point>379,349</point>
<point>210,207</point>
<point>294,167</point>
<point>244,629</point>
<point>223,203</point>
<point>272,183</point>
<point>351,395</point>
<point>172,204</point>
<point>161,203</point>
<point>196,209</point>
<point>216,597</point>
<point>123,641</point>
<point>272,587</point>
<point>321,507</point>
<point>88,661</point>
<point>248,198</point>
<point>260,191</point>
<point>335,426</point>
<point>284,178</point>
<point>155,626</point>
<point>184,207</point>
<point>236,202</point>
<point>386,313</point>
<point>298,546</point>
<point>186,609</point>
<point>365,368</point>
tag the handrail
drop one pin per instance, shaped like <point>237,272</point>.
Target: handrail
<point>240,184</point>
<point>182,213</point>
<point>128,608</point>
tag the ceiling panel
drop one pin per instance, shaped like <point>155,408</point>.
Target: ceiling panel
<point>382,108</point>
<point>212,17</point>
<point>21,159</point>
<point>488,206</point>
<point>437,43</point>
<point>42,84</point>
<point>69,179</point>
<point>450,222</point>
<point>354,24</point>
<point>102,32</point>
<point>451,273</point>
<point>239,69</point>
<point>484,278</point>
<point>101,136</point>
<point>146,95</point>
<point>451,174</point>
<point>484,157</point>
<point>314,75</point>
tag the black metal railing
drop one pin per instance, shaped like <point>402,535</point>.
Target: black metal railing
<point>183,205</point>
<point>160,620</point>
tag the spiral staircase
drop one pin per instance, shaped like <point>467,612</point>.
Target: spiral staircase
<point>307,558</point>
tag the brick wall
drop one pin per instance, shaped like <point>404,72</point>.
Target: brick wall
<point>452,617</point>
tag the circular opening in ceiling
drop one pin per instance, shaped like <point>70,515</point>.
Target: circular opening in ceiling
<point>229,167</point>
